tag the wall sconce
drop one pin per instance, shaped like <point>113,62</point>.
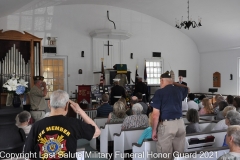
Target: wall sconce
<point>80,71</point>
<point>131,55</point>
<point>231,77</point>
<point>82,54</point>
<point>52,41</point>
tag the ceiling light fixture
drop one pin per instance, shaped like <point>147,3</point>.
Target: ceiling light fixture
<point>189,23</point>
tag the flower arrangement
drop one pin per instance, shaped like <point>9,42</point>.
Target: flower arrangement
<point>16,85</point>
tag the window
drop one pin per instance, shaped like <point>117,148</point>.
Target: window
<point>53,74</point>
<point>154,68</point>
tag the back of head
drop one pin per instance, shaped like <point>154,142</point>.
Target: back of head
<point>192,116</point>
<point>191,96</point>
<point>59,99</point>
<point>234,132</point>
<point>207,105</point>
<point>222,105</point>
<point>220,98</point>
<point>205,102</point>
<point>228,108</point>
<point>236,101</point>
<point>138,95</point>
<point>230,99</point>
<point>137,109</point>
<point>201,97</point>
<point>166,78</point>
<point>216,96</point>
<point>105,97</point>
<point>134,100</point>
<point>24,116</point>
<point>233,117</point>
<point>123,100</point>
<point>119,109</point>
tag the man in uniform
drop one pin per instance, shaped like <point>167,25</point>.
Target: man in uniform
<point>142,88</point>
<point>123,79</point>
<point>167,116</point>
<point>181,81</point>
<point>37,100</point>
<point>117,92</point>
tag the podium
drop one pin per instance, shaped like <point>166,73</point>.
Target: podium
<point>84,92</point>
<point>113,74</point>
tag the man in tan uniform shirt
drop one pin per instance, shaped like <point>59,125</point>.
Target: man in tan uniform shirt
<point>37,100</point>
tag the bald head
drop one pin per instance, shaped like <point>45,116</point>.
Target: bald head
<point>165,81</point>
<point>134,100</point>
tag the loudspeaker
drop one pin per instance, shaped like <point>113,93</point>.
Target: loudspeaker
<point>82,54</point>
<point>156,54</point>
<point>212,90</point>
<point>49,49</point>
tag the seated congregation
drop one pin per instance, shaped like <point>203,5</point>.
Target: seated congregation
<point>129,127</point>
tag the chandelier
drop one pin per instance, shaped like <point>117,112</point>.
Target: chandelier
<point>187,24</point>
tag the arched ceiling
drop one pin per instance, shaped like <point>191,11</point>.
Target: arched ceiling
<point>220,28</point>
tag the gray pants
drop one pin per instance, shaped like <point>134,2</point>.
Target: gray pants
<point>37,115</point>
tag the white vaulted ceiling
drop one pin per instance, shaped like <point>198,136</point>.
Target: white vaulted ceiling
<point>220,18</point>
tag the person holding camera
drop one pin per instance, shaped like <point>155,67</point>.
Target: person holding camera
<point>37,100</point>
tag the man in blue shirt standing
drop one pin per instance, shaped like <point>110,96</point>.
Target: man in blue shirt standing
<point>105,108</point>
<point>167,116</point>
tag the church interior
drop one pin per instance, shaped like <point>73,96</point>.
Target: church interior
<point>77,44</point>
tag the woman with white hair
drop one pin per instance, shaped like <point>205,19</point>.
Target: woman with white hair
<point>23,119</point>
<point>233,141</point>
<point>232,118</point>
<point>137,119</point>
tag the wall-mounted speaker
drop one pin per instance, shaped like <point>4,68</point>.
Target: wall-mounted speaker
<point>82,54</point>
<point>49,49</point>
<point>156,54</point>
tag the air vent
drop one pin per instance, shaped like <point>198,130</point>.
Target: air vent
<point>50,50</point>
<point>156,54</point>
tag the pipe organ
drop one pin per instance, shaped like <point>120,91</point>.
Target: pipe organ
<point>20,55</point>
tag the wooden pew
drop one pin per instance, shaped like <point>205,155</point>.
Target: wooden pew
<point>107,135</point>
<point>124,140</point>
<point>100,121</point>
<point>209,153</point>
<point>149,146</point>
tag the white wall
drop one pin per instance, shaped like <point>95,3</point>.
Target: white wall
<point>72,24</point>
<point>224,62</point>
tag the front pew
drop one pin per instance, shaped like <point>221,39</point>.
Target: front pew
<point>100,121</point>
<point>124,140</point>
<point>107,135</point>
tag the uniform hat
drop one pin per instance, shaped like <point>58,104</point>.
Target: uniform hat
<point>116,80</point>
<point>35,78</point>
<point>166,75</point>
